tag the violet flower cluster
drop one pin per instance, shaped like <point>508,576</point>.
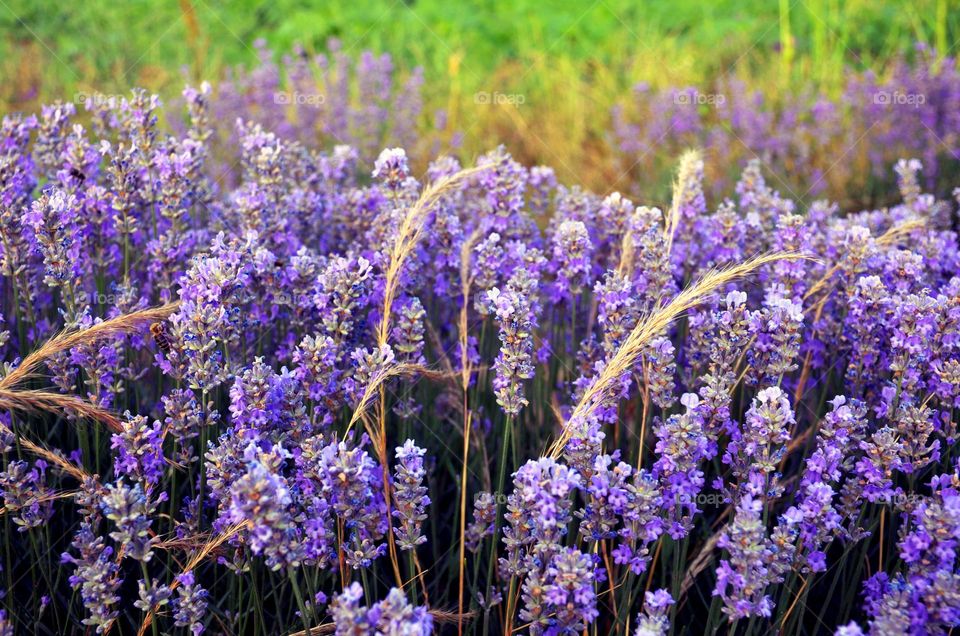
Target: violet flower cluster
<point>459,398</point>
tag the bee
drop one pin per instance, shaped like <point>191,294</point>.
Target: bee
<point>160,337</point>
<point>78,175</point>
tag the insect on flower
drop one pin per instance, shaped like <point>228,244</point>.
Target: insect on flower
<point>159,334</point>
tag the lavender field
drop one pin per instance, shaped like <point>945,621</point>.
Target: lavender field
<point>281,366</point>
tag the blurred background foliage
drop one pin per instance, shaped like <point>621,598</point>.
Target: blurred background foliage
<point>51,46</point>
<point>570,61</point>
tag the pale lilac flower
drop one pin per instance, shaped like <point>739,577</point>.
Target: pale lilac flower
<point>410,495</point>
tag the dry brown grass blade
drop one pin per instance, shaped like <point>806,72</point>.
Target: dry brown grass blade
<point>69,339</point>
<point>629,352</point>
<point>628,250</point>
<point>372,390</point>
<point>194,561</point>
<point>466,282</point>
<point>690,162</point>
<point>887,238</point>
<point>701,561</point>
<point>66,494</point>
<point>898,231</point>
<point>408,235</point>
<point>54,459</point>
<point>44,401</point>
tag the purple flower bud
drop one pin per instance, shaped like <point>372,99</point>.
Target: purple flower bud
<point>410,496</point>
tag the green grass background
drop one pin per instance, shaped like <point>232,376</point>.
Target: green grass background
<point>51,47</point>
<point>570,61</point>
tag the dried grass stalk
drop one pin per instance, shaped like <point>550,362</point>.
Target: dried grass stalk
<point>54,459</point>
<point>372,390</point>
<point>32,401</point>
<point>67,340</point>
<point>701,561</point>
<point>690,163</point>
<point>408,235</point>
<point>66,494</point>
<point>889,237</point>
<point>650,327</point>
<point>205,551</point>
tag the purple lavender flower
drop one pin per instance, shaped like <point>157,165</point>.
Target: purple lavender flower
<point>484,517</point>
<point>140,450</point>
<point>261,498</point>
<point>560,599</point>
<point>410,496</point>
<point>756,451</point>
<point>542,181</point>
<point>51,133</point>
<point>130,509</point>
<point>608,498</point>
<point>814,511</point>
<point>343,289</point>
<point>486,269</point>
<point>681,445</point>
<point>392,615</point>
<point>874,471</point>
<point>654,620</point>
<point>572,257</point>
<point>353,484</point>
<point>504,181</point>
<point>660,366</point>
<point>776,329</point>
<point>209,318</point>
<point>538,511</point>
<point>53,220</point>
<point>184,420</point>
<point>392,168</point>
<point>315,360</point>
<point>642,522</point>
<point>916,427</point>
<point>743,577</point>
<point>516,310</point>
<point>190,604</point>
<point>97,577</point>
<point>370,367</point>
<point>617,313</point>
<point>263,402</point>
<point>25,492</point>
<point>408,331</point>
<point>152,596</point>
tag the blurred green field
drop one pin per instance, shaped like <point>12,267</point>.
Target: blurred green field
<point>51,48</point>
<point>570,62</point>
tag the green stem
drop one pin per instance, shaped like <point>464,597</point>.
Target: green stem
<point>501,479</point>
<point>146,580</point>
<point>303,607</point>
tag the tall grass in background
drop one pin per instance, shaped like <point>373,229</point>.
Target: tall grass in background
<point>566,64</point>
<point>296,350</point>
